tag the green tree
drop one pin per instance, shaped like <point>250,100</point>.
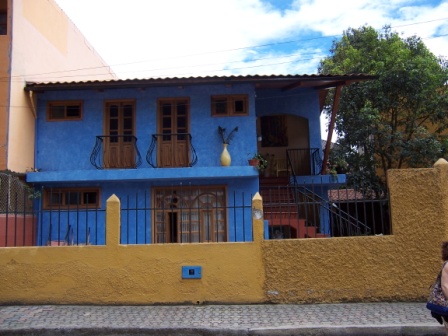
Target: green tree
<point>398,120</point>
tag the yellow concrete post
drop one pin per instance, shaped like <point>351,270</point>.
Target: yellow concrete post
<point>442,167</point>
<point>257,218</point>
<point>113,221</point>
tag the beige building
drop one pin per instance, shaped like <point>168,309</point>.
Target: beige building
<point>38,42</point>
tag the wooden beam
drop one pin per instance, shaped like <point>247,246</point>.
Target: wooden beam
<point>322,96</point>
<point>337,95</point>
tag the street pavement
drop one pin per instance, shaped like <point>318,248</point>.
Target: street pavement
<point>395,318</point>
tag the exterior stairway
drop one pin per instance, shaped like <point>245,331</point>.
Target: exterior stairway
<point>281,210</point>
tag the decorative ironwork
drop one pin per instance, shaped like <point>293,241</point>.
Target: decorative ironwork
<point>165,151</point>
<point>115,151</point>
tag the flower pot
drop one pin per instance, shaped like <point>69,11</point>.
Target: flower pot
<point>254,162</point>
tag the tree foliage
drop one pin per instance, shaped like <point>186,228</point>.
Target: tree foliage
<point>396,121</point>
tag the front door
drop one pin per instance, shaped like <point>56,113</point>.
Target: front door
<point>173,139</point>
<point>119,142</point>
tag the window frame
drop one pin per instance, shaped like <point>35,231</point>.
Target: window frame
<point>185,205</point>
<point>64,204</point>
<point>230,101</point>
<point>3,22</point>
<point>65,104</point>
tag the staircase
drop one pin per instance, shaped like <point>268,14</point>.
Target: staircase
<point>282,210</point>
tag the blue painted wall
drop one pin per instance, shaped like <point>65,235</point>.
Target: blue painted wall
<point>67,145</point>
<point>63,149</point>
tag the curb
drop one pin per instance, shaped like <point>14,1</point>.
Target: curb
<point>368,330</point>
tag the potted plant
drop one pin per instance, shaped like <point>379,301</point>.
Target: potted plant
<point>258,161</point>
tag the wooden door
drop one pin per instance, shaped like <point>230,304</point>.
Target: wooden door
<point>119,143</point>
<point>173,141</point>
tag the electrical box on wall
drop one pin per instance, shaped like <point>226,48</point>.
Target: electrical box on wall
<point>191,272</point>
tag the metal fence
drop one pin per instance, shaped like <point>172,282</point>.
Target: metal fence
<point>24,221</point>
<point>183,222</point>
<point>318,211</point>
<point>290,212</point>
<point>17,219</point>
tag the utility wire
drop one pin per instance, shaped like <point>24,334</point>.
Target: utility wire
<point>62,72</point>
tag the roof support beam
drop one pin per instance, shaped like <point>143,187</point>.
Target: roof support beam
<point>337,95</point>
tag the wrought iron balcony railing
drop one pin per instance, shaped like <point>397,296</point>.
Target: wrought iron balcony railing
<point>304,161</point>
<point>171,150</point>
<point>115,151</point>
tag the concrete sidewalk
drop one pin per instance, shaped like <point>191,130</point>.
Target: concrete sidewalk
<point>305,319</point>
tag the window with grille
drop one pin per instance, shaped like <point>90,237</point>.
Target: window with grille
<point>190,215</point>
<point>71,198</point>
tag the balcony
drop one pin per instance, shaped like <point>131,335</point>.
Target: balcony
<point>173,150</point>
<point>116,151</point>
<point>304,161</point>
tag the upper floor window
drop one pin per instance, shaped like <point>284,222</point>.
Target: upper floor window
<point>71,198</point>
<point>3,23</point>
<point>3,17</point>
<point>64,110</point>
<point>230,105</point>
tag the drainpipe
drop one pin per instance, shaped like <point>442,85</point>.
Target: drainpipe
<point>33,106</point>
<point>336,98</point>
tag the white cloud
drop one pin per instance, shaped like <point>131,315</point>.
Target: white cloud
<point>144,38</point>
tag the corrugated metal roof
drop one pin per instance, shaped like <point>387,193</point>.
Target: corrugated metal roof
<point>284,82</point>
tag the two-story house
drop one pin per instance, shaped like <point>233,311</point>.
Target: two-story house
<point>155,144</point>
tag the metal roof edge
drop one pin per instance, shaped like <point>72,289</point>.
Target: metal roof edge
<point>122,83</point>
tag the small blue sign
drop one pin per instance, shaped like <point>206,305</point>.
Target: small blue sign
<point>191,272</point>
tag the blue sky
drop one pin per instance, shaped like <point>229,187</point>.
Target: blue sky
<point>182,38</point>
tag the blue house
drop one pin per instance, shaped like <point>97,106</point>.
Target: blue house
<point>155,143</point>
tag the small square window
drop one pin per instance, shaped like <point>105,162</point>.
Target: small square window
<point>59,111</point>
<point>229,105</point>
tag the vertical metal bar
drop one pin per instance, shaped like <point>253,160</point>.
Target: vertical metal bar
<point>145,217</point>
<point>127,219</point>
<point>59,220</point>
<point>41,215</point>
<point>235,219</point>
<point>8,195</point>
<point>24,221</point>
<point>70,237</point>
<point>15,212</point>
<point>136,217</point>
<point>87,219</point>
<point>96,226</point>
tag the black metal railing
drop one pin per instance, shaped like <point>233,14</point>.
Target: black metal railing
<point>47,224</point>
<point>304,161</point>
<point>115,151</point>
<point>171,150</point>
<point>17,218</point>
<point>316,211</point>
<point>144,223</point>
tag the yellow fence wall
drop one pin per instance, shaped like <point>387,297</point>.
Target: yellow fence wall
<point>399,267</point>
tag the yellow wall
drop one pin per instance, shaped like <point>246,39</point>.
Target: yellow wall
<point>138,274</point>
<point>396,267</point>
<point>399,267</point>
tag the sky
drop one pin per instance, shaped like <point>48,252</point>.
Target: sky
<point>183,38</point>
